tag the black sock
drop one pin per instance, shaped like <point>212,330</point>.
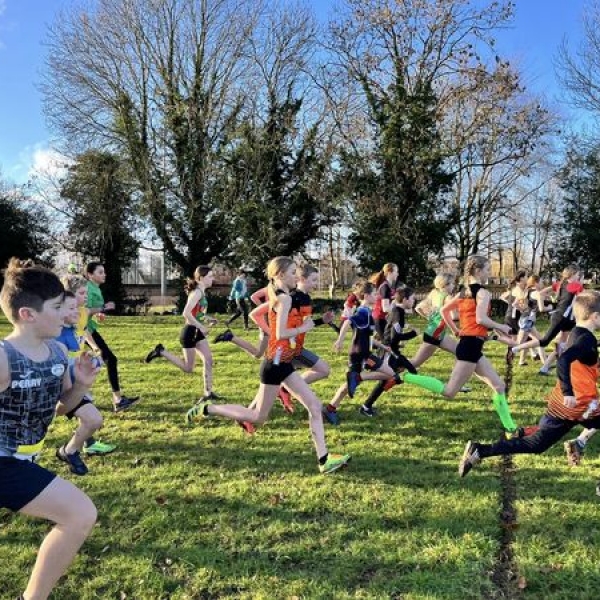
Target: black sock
<point>323,459</point>
<point>205,410</point>
<point>377,391</point>
<point>89,442</point>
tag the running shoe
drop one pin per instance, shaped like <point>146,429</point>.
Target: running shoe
<point>470,458</point>
<point>544,373</point>
<point>156,353</point>
<point>352,380</point>
<point>125,403</point>
<point>367,411</point>
<point>225,336</point>
<point>99,447</point>
<point>334,462</point>
<point>465,389</point>
<point>211,396</point>
<point>330,414</point>
<point>247,427</point>
<point>574,452</point>
<point>286,400</point>
<point>76,465</point>
<point>196,411</point>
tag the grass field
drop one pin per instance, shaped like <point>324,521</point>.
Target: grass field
<point>210,513</point>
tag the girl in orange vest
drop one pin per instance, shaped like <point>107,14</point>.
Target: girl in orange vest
<point>473,304</point>
<point>286,323</point>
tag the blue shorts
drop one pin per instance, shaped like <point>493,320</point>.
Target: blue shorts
<point>21,481</point>
<point>305,360</point>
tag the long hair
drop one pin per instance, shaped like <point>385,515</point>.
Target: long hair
<point>472,264</point>
<point>275,267</point>
<point>519,275</point>
<point>378,278</point>
<point>442,280</point>
<point>73,282</point>
<point>192,283</point>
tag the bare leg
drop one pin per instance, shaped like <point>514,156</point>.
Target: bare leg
<point>90,421</point>
<point>203,349</point>
<point>313,405</point>
<point>74,514</point>
<point>186,364</point>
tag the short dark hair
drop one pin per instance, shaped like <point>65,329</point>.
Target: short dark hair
<point>27,284</point>
<point>92,266</point>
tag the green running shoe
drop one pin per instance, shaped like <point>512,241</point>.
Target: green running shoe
<point>334,462</point>
<point>196,411</point>
<point>99,447</point>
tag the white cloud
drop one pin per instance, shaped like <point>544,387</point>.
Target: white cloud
<point>47,162</point>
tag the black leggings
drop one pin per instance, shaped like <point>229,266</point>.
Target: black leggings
<point>241,308</point>
<point>551,431</point>
<point>557,324</point>
<point>109,359</point>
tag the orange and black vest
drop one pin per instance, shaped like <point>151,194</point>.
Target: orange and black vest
<point>577,370</point>
<point>467,314</point>
<point>285,348</point>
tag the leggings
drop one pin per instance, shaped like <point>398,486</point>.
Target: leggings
<point>109,359</point>
<point>551,431</point>
<point>240,308</point>
<point>557,324</point>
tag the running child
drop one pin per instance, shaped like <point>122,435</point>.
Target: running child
<point>574,399</point>
<point>363,365</point>
<point>285,323</point>
<point>385,286</point>
<point>561,321</point>
<point>473,304</point>
<point>88,416</point>
<point>193,334</point>
<point>393,336</point>
<point>33,378</point>
<point>96,306</point>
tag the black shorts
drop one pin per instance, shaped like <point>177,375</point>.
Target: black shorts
<point>85,400</point>
<point>470,348</point>
<point>429,339</point>
<point>305,360</point>
<point>359,362</point>
<point>21,481</point>
<point>271,374</point>
<point>190,336</point>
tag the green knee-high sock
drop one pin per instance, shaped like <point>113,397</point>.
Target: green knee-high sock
<point>425,381</point>
<point>501,406</point>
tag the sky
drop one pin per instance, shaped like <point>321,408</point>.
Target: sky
<point>25,140</point>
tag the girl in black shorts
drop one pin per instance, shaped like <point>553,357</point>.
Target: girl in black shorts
<point>193,334</point>
<point>473,304</point>
<point>285,324</point>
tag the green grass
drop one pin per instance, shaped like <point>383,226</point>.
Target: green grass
<point>207,512</point>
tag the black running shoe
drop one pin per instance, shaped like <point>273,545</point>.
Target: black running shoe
<point>367,411</point>
<point>156,353</point>
<point>225,336</point>
<point>125,403</point>
<point>211,396</point>
<point>470,458</point>
<point>76,465</point>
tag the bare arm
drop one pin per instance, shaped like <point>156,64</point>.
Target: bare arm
<point>446,312</point>
<point>192,300</point>
<point>282,332</point>
<point>481,313</point>
<point>337,345</point>
<point>259,316</point>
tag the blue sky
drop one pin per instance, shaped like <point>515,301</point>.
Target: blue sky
<point>538,29</point>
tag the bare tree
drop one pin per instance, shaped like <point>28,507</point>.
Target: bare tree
<point>155,81</point>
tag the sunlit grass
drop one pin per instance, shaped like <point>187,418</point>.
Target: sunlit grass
<point>208,512</point>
